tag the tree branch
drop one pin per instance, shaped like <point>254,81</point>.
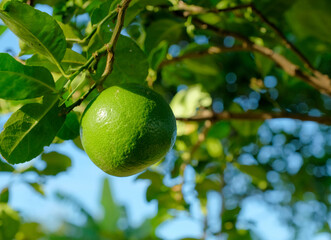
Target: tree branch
<point>290,68</point>
<point>112,43</point>
<point>318,80</point>
<point>286,42</point>
<point>196,10</point>
<point>208,115</point>
<point>109,48</point>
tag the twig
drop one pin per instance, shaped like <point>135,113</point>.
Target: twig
<point>109,48</point>
<point>196,10</point>
<point>286,42</point>
<point>210,51</point>
<point>208,115</point>
<point>112,43</point>
<point>79,101</point>
<point>30,2</point>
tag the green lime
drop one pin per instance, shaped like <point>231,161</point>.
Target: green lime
<point>127,128</point>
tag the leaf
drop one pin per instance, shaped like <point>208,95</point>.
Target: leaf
<point>37,187</point>
<point>100,12</point>
<point>157,55</point>
<point>4,167</point>
<point>263,63</point>
<point>154,189</point>
<point>77,141</point>
<point>112,212</point>
<point>56,163</point>
<point>40,60</point>
<point>214,147</point>
<point>31,230</point>
<point>219,130</point>
<point>311,18</point>
<point>163,30</point>
<point>4,195</point>
<point>70,128</point>
<point>29,129</point>
<point>18,82</point>
<point>207,185</point>
<point>69,32</point>
<point>37,29</point>
<point>258,174</point>
<point>136,6</point>
<point>72,59</point>
<point>10,222</point>
<point>2,29</point>
<point>130,65</point>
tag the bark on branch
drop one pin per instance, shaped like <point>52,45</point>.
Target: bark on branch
<point>313,77</point>
<point>208,115</point>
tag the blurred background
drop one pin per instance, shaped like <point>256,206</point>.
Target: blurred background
<point>237,179</point>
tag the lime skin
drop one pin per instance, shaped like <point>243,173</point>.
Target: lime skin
<point>127,128</point>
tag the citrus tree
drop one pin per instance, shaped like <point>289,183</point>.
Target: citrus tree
<point>248,82</point>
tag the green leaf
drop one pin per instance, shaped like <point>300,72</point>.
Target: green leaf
<point>25,49</point>
<point>246,128</point>
<point>69,32</point>
<point>311,18</point>
<point>219,130</point>
<point>214,147</point>
<point>163,30</point>
<point>37,187</point>
<point>31,230</point>
<point>2,29</point>
<point>4,167</point>
<point>207,185</point>
<point>158,54</point>
<point>10,222</point>
<point>56,163</point>
<point>258,174</point>
<point>72,59</point>
<point>136,6</point>
<point>70,128</point>
<point>100,12</point>
<point>77,141</point>
<point>112,212</point>
<point>18,82</point>
<point>130,65</point>
<point>40,60</point>
<point>4,195</point>
<point>29,129</point>
<point>263,63</point>
<point>155,188</point>
<point>37,29</point>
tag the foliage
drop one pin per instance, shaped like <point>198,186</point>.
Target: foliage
<point>226,67</point>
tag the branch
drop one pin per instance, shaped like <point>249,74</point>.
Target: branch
<point>109,48</point>
<point>208,115</point>
<point>196,10</point>
<point>210,51</point>
<point>286,42</point>
<point>290,68</point>
<point>318,80</point>
<point>116,34</point>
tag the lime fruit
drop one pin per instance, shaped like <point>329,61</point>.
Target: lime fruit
<point>127,128</point>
